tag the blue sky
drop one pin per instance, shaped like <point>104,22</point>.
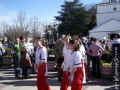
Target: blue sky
<point>45,9</point>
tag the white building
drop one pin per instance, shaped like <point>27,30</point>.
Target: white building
<point>108,19</point>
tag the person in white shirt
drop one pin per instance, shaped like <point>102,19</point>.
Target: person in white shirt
<point>76,71</point>
<point>41,61</point>
<point>67,56</point>
<point>84,63</point>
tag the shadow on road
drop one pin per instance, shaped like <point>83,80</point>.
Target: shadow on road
<point>7,78</point>
<point>112,88</point>
<point>103,81</point>
<point>100,82</point>
<point>21,83</point>
<point>26,82</point>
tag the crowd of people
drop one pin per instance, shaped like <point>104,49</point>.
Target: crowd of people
<point>23,57</point>
<point>72,63</point>
<point>91,50</point>
<point>73,56</point>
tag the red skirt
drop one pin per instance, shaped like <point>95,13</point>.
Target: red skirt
<point>86,71</point>
<point>85,76</point>
<point>41,79</point>
<point>78,78</point>
<point>65,81</point>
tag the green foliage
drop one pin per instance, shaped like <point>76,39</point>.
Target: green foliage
<point>106,63</point>
<point>107,58</point>
<point>92,17</point>
<point>73,18</point>
<point>50,51</point>
<point>51,33</point>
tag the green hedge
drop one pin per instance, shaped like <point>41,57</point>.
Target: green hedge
<point>50,51</point>
<point>107,57</point>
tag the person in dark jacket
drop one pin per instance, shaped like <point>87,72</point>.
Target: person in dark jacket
<point>25,62</point>
<point>59,56</point>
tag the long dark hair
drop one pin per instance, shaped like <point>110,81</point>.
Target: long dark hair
<point>72,42</point>
<point>77,45</point>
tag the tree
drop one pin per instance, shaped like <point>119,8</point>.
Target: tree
<point>35,27</point>
<point>51,33</point>
<point>92,17</point>
<point>73,19</point>
<point>22,26</point>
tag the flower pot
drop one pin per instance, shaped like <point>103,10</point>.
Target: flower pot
<point>107,71</point>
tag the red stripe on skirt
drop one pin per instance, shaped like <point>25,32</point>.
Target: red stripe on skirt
<point>78,78</point>
<point>41,79</point>
<point>65,81</point>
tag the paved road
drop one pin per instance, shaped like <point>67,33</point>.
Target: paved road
<point>8,82</point>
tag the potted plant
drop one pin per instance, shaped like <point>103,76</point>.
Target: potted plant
<point>107,64</point>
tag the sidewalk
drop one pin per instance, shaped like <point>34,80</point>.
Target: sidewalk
<point>8,82</point>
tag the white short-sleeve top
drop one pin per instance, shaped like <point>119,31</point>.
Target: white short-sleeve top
<point>67,57</point>
<point>83,53</point>
<point>82,50</point>
<point>41,55</point>
<point>76,60</point>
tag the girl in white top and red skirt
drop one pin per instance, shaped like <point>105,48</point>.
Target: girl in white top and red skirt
<point>67,54</point>
<point>41,61</point>
<point>76,70</point>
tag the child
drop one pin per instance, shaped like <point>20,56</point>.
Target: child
<point>76,70</point>
<point>67,54</point>
<point>41,61</point>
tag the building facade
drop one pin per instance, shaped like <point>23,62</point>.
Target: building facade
<point>108,13</point>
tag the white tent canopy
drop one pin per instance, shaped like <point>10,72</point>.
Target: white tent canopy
<point>103,30</point>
